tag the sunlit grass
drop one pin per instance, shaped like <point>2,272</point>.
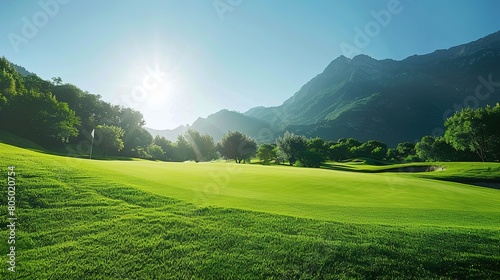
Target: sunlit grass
<point>82,219</point>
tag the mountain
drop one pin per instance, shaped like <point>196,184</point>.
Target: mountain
<point>391,101</point>
<point>365,98</point>
<point>218,124</point>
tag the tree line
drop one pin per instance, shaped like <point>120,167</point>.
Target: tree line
<point>55,114</point>
<point>471,135</point>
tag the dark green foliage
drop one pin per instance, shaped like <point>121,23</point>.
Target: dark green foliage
<point>202,146</point>
<point>370,149</point>
<point>238,146</point>
<point>156,152</point>
<point>437,149</point>
<point>52,113</point>
<point>190,146</point>
<point>167,147</point>
<point>292,145</point>
<point>40,117</point>
<point>109,138</point>
<point>136,140</point>
<point>35,83</point>
<point>315,154</point>
<point>339,152</point>
<point>477,130</point>
<point>266,153</point>
<point>405,149</point>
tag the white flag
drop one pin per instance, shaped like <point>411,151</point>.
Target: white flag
<point>92,133</point>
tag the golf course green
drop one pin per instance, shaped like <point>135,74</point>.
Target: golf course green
<point>137,219</point>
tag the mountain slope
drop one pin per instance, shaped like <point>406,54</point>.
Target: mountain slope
<point>391,101</point>
<point>218,124</point>
<point>387,100</point>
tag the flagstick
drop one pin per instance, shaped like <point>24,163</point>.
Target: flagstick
<point>91,147</point>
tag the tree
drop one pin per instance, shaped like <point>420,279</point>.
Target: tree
<point>404,150</point>
<point>372,149</point>
<point>292,145</point>
<point>167,147</point>
<point>136,140</point>
<point>109,138</point>
<point>437,149</point>
<point>339,151</point>
<point>135,136</point>
<point>392,154</point>
<point>378,153</point>
<point>315,154</point>
<point>425,148</point>
<point>238,146</point>
<point>40,117</point>
<point>57,80</point>
<point>475,130</point>
<point>266,153</point>
<point>35,83</point>
<point>202,146</point>
<point>185,152</point>
<point>156,151</point>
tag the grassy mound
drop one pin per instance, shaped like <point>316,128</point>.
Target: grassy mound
<point>82,219</point>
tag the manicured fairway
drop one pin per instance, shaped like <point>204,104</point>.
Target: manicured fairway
<point>102,219</point>
<point>312,193</point>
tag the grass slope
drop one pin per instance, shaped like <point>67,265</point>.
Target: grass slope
<point>384,198</point>
<point>81,219</point>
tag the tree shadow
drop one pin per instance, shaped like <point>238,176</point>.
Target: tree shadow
<point>65,151</point>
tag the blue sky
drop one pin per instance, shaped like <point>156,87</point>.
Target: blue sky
<point>179,60</point>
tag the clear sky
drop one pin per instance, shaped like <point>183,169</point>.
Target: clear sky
<point>177,60</point>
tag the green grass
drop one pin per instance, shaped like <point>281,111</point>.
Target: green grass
<point>82,219</point>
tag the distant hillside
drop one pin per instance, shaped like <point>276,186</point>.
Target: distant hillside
<point>219,124</point>
<point>388,100</point>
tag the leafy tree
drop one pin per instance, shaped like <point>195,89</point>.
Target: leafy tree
<point>57,80</point>
<point>405,150</point>
<point>156,151</point>
<point>372,149</point>
<point>319,145</point>
<point>378,153</point>
<point>392,154</point>
<point>238,146</point>
<point>6,66</point>
<point>339,151</point>
<point>315,154</point>
<point>202,146</point>
<point>184,150</point>
<point>7,86</point>
<point>437,149</point>
<point>266,153</point>
<point>110,138</point>
<point>425,148</point>
<point>35,83</point>
<point>311,158</point>
<point>280,156</point>
<point>167,147</point>
<point>42,118</point>
<point>292,145</point>
<point>136,140</point>
<point>475,130</point>
<point>352,143</point>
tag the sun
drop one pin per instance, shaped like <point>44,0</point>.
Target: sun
<point>155,78</point>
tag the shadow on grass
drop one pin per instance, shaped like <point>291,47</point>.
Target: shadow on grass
<point>65,151</point>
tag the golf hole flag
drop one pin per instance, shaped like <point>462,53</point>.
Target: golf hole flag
<point>92,145</point>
